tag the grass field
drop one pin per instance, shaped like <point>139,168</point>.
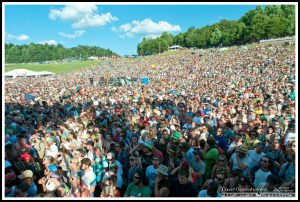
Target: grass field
<point>55,68</point>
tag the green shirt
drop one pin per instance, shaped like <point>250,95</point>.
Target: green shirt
<point>211,157</point>
<point>134,191</point>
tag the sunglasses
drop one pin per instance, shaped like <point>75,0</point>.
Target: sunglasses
<point>135,177</point>
<point>131,159</point>
<point>221,160</point>
<point>266,161</point>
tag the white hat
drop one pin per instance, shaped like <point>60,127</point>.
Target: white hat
<point>163,169</point>
<point>26,174</point>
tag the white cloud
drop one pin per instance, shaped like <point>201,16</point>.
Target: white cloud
<point>22,37</point>
<point>152,36</point>
<point>82,16</point>
<point>146,28</point>
<point>49,42</point>
<point>77,34</point>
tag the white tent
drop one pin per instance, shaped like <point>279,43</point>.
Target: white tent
<point>26,73</point>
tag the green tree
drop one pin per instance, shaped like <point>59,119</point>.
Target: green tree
<point>215,37</point>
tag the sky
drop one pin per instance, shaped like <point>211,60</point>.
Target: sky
<point>116,27</point>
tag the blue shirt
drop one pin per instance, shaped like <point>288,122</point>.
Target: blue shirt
<point>189,155</point>
<point>32,191</point>
<point>221,142</point>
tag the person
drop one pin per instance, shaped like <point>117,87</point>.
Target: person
<point>198,168</point>
<point>181,186</point>
<point>115,169</point>
<point>27,181</point>
<point>29,163</point>
<point>137,188</point>
<point>90,151</point>
<point>204,132</point>
<point>211,155</point>
<point>259,174</point>
<point>238,141</point>
<point>221,139</point>
<point>254,156</point>
<point>231,182</point>
<point>109,188</point>
<point>287,171</point>
<point>50,182</point>
<point>212,191</point>
<point>147,154</point>
<point>253,140</point>
<point>221,167</point>
<point>151,171</point>
<point>187,150</point>
<point>276,154</point>
<point>133,167</point>
<point>272,184</point>
<point>88,178</point>
<point>75,183</point>
<point>51,148</point>
<point>239,159</point>
<point>161,184</point>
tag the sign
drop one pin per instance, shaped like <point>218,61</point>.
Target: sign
<point>145,80</point>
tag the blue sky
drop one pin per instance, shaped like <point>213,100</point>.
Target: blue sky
<point>116,27</point>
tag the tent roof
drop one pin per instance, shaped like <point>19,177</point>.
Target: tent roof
<point>26,72</point>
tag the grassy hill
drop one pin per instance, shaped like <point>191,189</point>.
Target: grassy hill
<point>55,68</point>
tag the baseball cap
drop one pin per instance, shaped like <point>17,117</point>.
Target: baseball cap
<point>185,164</point>
<point>26,174</point>
<point>52,168</point>
<point>25,157</point>
<point>158,154</point>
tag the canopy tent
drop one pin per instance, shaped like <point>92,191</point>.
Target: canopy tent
<point>26,73</point>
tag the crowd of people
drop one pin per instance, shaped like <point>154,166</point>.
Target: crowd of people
<point>208,124</point>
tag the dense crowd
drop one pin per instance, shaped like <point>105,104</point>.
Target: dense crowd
<point>208,123</point>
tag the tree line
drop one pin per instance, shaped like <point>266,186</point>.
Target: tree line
<point>273,21</point>
<point>44,52</point>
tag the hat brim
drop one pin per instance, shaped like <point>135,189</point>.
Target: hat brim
<point>163,173</point>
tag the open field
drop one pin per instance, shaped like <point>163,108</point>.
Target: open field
<point>55,68</point>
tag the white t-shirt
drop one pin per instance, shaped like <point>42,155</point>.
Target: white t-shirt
<point>90,155</point>
<point>52,151</point>
<point>245,161</point>
<point>89,178</point>
<point>260,178</point>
